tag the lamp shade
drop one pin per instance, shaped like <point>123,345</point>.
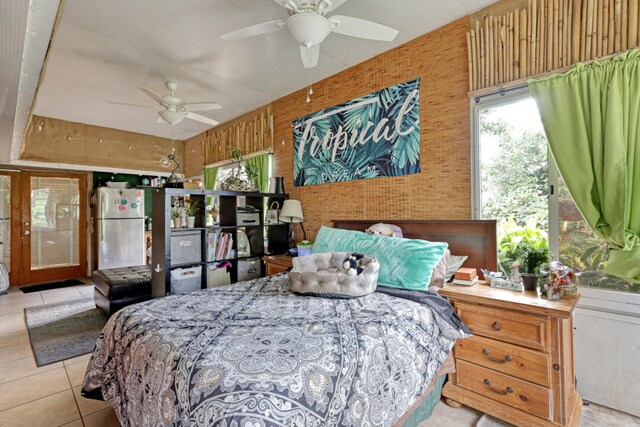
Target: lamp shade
<point>291,211</point>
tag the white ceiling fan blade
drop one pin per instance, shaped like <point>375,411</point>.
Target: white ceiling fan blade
<point>291,5</point>
<point>356,27</point>
<point>203,119</point>
<point>309,55</point>
<point>202,106</point>
<point>126,104</point>
<point>254,30</point>
<point>326,6</point>
<point>153,95</point>
<point>160,120</point>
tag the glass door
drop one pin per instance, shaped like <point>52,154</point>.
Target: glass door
<point>54,239</point>
<point>10,224</point>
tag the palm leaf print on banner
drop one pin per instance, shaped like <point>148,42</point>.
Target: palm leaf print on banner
<point>376,135</point>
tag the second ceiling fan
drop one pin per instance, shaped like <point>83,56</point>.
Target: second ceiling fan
<point>309,26</point>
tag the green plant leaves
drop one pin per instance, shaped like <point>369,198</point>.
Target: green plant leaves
<point>376,135</point>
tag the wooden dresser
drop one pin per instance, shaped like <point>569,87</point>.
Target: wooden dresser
<point>275,264</point>
<point>518,366</point>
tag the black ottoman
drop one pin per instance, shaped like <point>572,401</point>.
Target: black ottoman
<point>116,288</point>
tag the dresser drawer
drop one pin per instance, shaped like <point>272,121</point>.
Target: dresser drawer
<point>503,388</point>
<point>507,358</point>
<point>518,328</point>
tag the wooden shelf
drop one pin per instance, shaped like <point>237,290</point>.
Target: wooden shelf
<point>227,202</point>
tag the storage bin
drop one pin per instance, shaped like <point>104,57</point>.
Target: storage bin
<point>246,218</point>
<point>185,280</point>
<point>217,276</point>
<point>186,247</point>
<point>249,269</point>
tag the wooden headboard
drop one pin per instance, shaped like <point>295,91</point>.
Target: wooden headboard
<point>473,238</point>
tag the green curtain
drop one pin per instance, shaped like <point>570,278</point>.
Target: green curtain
<point>210,176</point>
<point>591,115</point>
<point>262,162</point>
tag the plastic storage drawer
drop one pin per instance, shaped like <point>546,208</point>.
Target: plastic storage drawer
<point>186,247</point>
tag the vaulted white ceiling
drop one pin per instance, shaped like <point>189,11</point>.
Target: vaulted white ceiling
<point>104,50</point>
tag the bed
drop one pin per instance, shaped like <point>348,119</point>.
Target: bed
<point>255,354</point>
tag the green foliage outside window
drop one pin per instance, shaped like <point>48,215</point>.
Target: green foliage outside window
<point>514,191</point>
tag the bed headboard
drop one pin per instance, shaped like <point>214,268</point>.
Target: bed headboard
<point>473,238</point>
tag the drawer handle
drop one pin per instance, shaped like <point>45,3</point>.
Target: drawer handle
<point>495,390</point>
<point>506,359</point>
<point>496,326</point>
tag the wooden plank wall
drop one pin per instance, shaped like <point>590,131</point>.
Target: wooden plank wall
<point>547,35</point>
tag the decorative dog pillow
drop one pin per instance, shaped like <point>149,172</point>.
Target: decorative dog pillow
<point>325,274</point>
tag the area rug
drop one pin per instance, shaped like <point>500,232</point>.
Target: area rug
<point>53,285</point>
<point>64,330</point>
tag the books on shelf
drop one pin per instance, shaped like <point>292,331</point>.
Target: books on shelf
<point>219,245</point>
<point>466,274</point>
<point>465,282</point>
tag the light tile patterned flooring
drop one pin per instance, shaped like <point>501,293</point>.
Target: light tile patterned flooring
<point>49,396</point>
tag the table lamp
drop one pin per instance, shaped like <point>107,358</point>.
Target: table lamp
<point>292,213</point>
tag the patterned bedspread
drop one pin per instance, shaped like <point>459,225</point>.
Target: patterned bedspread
<point>254,354</point>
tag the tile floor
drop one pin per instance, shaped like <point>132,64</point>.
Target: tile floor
<point>49,396</point>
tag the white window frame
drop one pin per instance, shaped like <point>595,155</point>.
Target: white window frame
<point>596,299</point>
<point>493,100</point>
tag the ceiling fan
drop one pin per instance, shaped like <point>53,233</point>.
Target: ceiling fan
<point>174,109</point>
<point>309,26</point>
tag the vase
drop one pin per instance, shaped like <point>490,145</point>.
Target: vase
<point>191,221</point>
<point>569,289</point>
<point>554,293</point>
<point>529,281</point>
<point>176,223</point>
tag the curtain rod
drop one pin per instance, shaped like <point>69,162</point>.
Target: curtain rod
<point>229,161</point>
<point>522,83</point>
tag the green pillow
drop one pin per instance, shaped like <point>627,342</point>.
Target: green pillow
<point>404,263</point>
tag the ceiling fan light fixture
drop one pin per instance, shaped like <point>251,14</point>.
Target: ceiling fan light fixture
<point>172,117</point>
<point>308,29</point>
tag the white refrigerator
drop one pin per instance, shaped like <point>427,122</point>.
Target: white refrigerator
<point>120,226</point>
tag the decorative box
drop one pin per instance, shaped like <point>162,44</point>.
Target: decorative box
<point>186,247</point>
<point>248,218</point>
<point>185,280</point>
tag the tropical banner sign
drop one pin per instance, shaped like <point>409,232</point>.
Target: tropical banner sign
<point>374,136</point>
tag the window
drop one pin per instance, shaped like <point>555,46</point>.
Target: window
<point>224,172</point>
<point>516,183</point>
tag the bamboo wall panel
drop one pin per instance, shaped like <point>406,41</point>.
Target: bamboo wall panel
<point>545,36</point>
<point>249,133</point>
<point>443,189</point>
<point>59,141</point>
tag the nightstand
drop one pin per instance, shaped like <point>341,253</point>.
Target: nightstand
<point>275,264</point>
<point>518,365</point>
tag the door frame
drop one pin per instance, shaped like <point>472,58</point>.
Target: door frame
<point>29,276</point>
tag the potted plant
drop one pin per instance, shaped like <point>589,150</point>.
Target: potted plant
<point>176,221</point>
<point>241,179</point>
<point>192,210</point>
<point>532,260</point>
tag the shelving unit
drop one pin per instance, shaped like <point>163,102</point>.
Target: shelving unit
<point>228,201</point>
